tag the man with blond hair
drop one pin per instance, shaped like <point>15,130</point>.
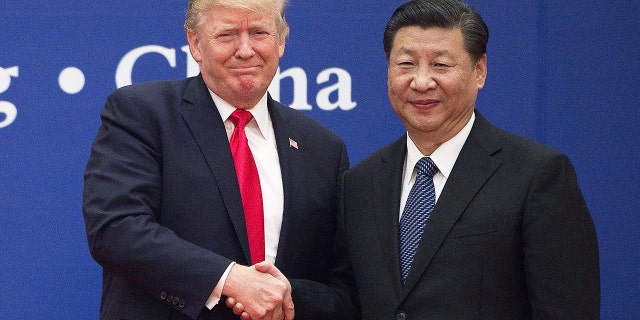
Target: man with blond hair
<point>184,208</point>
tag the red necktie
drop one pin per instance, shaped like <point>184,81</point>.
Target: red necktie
<point>249,183</point>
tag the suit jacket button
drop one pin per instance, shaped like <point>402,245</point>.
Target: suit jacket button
<point>163,295</point>
<point>175,301</point>
<point>182,304</point>
<point>401,315</point>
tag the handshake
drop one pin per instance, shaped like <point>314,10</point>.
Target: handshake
<point>258,292</point>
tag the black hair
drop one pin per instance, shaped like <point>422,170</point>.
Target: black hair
<point>447,14</point>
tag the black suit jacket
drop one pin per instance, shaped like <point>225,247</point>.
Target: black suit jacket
<point>510,236</point>
<point>162,205</point>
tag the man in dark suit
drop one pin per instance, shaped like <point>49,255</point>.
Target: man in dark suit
<point>163,208</point>
<point>509,237</point>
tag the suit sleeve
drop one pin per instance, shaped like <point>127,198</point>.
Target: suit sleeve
<point>121,206</point>
<point>332,300</point>
<point>560,246</point>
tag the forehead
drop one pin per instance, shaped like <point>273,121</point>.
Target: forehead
<point>226,17</point>
<point>415,38</point>
<point>253,5</point>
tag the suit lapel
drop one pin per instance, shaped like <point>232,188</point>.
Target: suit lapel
<point>474,166</point>
<point>287,154</point>
<point>207,127</point>
<point>386,217</point>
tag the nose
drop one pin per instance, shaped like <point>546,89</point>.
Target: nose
<point>244,48</point>
<point>423,80</point>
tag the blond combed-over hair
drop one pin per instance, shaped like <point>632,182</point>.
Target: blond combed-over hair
<point>196,7</point>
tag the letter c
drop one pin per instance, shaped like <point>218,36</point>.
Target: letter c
<point>125,67</point>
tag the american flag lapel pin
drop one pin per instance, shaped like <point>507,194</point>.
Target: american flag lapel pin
<point>293,144</point>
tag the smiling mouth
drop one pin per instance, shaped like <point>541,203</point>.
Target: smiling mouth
<point>424,104</point>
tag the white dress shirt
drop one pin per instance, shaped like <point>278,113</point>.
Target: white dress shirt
<point>444,157</point>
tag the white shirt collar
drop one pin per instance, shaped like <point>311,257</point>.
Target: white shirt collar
<point>444,156</point>
<point>260,112</point>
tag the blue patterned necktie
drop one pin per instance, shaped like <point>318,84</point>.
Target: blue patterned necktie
<point>420,203</point>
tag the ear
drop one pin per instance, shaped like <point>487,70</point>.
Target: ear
<point>281,46</point>
<point>481,71</point>
<point>194,47</point>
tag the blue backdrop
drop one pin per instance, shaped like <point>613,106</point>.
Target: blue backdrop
<point>562,72</point>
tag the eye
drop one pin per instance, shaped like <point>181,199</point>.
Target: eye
<point>261,34</point>
<point>441,65</point>
<point>405,64</point>
<point>224,36</point>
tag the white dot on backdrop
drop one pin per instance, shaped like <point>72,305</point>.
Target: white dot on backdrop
<point>71,80</point>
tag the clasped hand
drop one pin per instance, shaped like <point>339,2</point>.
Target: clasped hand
<point>259,292</point>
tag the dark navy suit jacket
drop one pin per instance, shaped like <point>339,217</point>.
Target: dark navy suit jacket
<point>163,210</point>
<point>510,236</point>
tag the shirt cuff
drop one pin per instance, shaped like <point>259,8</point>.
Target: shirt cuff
<point>215,296</point>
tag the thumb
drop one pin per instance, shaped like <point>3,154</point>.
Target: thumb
<point>266,267</point>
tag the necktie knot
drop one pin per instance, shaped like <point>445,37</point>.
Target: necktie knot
<point>240,118</point>
<point>426,166</point>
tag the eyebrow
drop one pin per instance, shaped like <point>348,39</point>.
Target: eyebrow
<point>438,53</point>
<point>223,27</point>
<point>442,53</point>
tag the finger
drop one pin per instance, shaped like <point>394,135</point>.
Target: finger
<point>230,302</point>
<point>289,309</point>
<point>238,309</point>
<point>264,267</point>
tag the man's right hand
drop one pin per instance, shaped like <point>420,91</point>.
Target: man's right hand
<point>261,295</point>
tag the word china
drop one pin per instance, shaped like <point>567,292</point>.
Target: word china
<point>331,96</point>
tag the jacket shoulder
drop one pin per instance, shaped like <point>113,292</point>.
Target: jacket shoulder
<point>392,152</point>
<point>494,140</point>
